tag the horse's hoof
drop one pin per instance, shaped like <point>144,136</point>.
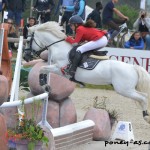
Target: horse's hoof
<point>43,79</point>
<point>147,119</point>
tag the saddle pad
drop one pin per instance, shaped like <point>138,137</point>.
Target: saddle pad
<point>89,64</point>
<point>100,57</point>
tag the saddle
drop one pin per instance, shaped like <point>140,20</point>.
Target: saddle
<point>89,59</point>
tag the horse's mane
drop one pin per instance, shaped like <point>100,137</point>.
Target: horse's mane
<point>51,26</point>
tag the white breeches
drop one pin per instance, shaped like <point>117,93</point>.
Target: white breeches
<point>102,42</point>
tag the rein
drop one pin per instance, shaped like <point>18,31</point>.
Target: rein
<point>46,47</point>
<point>42,49</point>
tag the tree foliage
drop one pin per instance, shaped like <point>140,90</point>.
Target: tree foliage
<point>131,12</point>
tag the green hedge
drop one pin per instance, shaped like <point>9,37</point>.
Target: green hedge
<point>131,12</point>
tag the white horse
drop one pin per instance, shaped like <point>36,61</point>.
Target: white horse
<point>128,80</point>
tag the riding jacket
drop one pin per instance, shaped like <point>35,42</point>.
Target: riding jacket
<point>86,34</point>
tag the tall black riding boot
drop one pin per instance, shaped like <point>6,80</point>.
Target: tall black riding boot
<point>75,63</point>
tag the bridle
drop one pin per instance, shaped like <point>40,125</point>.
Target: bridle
<point>37,53</point>
<point>30,53</point>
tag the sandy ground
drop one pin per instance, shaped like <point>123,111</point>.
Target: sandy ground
<point>128,111</point>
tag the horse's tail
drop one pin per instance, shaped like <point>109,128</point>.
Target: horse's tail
<point>143,82</point>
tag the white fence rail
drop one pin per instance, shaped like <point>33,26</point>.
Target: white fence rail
<point>15,90</point>
<point>1,43</point>
<point>43,97</point>
<point>16,80</point>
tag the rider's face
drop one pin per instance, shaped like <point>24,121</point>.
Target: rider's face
<point>72,26</point>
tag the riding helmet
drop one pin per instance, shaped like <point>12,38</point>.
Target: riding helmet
<point>75,19</point>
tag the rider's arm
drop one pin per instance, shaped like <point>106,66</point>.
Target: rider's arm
<point>77,39</point>
<point>82,6</point>
<point>120,14</point>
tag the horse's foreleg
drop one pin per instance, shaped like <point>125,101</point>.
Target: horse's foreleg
<point>44,76</point>
<point>47,69</point>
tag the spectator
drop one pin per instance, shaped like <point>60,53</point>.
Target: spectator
<point>107,17</point>
<point>45,5</point>
<point>78,8</point>
<point>142,24</point>
<point>2,6</point>
<point>95,15</point>
<point>84,32</point>
<point>11,33</point>
<point>15,10</point>
<point>31,22</point>
<point>135,41</point>
<point>67,14</point>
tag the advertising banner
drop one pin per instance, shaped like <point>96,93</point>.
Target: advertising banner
<point>131,56</point>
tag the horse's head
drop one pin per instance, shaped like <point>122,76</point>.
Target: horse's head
<point>27,53</point>
<point>33,47</point>
<point>39,39</point>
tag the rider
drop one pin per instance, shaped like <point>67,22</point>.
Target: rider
<point>84,32</point>
<point>107,17</point>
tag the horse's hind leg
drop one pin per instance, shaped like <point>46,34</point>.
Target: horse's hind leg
<point>138,96</point>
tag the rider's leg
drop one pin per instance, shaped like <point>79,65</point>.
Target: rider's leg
<point>75,62</point>
<point>102,42</point>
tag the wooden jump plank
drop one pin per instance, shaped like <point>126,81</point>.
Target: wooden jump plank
<point>72,135</point>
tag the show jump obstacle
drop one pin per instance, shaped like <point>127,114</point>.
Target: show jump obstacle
<point>5,60</point>
<point>65,137</point>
